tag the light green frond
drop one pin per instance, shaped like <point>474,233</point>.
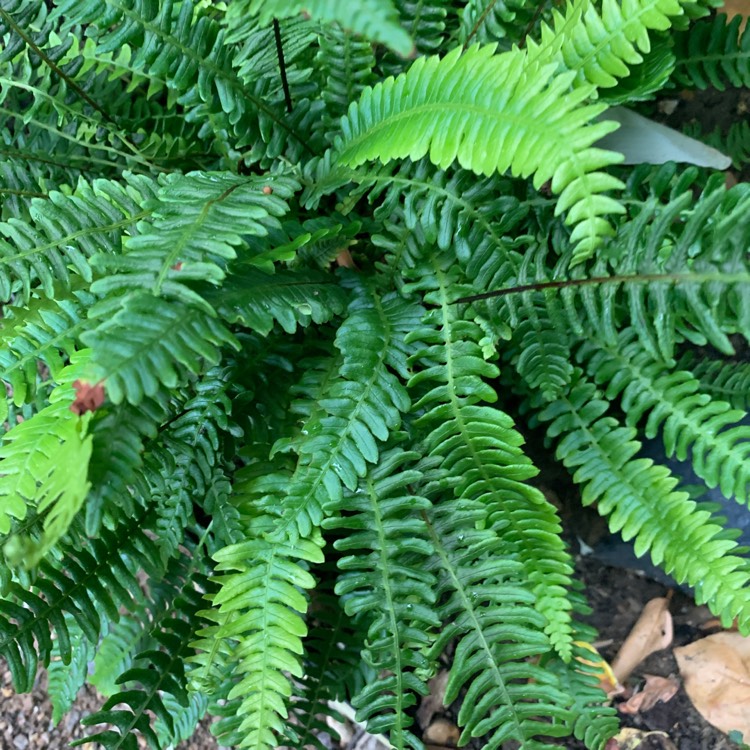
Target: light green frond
<point>600,46</point>
<point>44,465</point>
<point>641,501</point>
<point>376,20</point>
<point>484,111</point>
<point>260,604</point>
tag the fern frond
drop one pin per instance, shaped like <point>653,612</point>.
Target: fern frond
<point>355,413</point>
<point>735,142</point>
<point>66,231</point>
<point>150,342</point>
<point>484,111</point>
<point>500,21</point>
<point>713,53</point>
<point>486,607</point>
<point>118,433</point>
<point>45,331</point>
<point>600,46</point>
<point>193,230</point>
<point>258,300</point>
<point>44,462</point>
<point>383,579</point>
<point>157,671</point>
<point>641,502</point>
<point>477,445</point>
<point>259,604</point>
<point>90,584</point>
<point>691,423</point>
<point>726,381</point>
<point>64,681</point>
<point>373,19</point>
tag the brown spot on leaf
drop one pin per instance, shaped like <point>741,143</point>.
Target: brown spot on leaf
<point>267,190</point>
<point>89,397</point>
<point>177,266</point>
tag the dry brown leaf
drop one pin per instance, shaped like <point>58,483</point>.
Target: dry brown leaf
<point>432,703</point>
<point>656,690</point>
<point>716,673</point>
<point>631,739</point>
<point>652,632</point>
<point>442,732</point>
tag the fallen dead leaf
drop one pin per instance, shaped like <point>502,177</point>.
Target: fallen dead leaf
<point>656,690</point>
<point>344,259</point>
<point>716,673</point>
<point>652,632</point>
<point>442,732</point>
<point>631,739</point>
<point>432,703</point>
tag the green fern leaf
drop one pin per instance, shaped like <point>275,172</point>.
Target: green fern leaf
<point>259,603</point>
<point>374,19</point>
<point>445,108</point>
<point>44,464</point>
<point>713,53</point>
<point>66,231</point>
<point>642,503</point>
<point>292,298</point>
<point>193,229</point>
<point>383,579</point>
<point>692,423</point>
<point>150,342</point>
<point>487,609</point>
<point>478,445</point>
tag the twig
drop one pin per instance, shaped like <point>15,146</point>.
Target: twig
<point>282,65</point>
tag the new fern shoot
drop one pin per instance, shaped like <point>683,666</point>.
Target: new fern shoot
<point>246,477</point>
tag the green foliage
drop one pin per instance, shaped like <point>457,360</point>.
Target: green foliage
<point>713,53</point>
<point>282,293</point>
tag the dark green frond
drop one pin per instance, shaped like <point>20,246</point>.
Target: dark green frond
<point>258,300</point>
<point>150,342</point>
<point>672,403</point>
<point>487,608</point>
<point>641,501</point>
<point>384,580</point>
<point>376,20</point>
<point>480,450</point>
<point>67,230</point>
<point>194,227</point>
<point>713,53</point>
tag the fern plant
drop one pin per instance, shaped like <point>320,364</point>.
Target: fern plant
<point>284,285</point>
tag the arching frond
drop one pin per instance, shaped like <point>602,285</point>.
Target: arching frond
<point>641,501</point>
<point>481,110</point>
<point>478,446</point>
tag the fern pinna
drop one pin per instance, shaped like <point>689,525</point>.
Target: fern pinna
<point>276,278</point>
